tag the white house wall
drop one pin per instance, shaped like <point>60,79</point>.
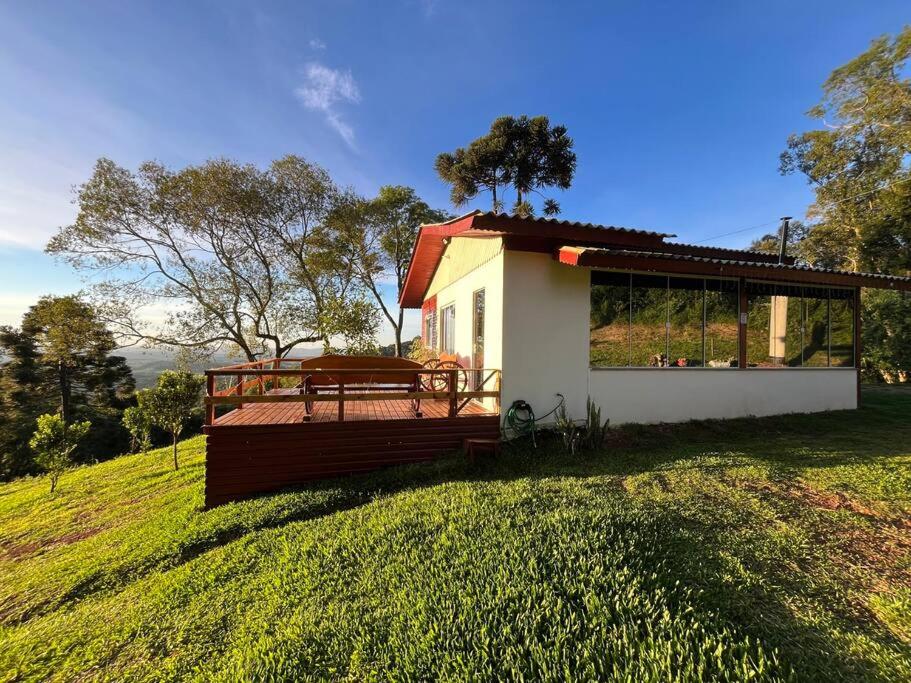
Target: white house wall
<point>545,333</point>
<point>468,265</point>
<point>537,331</point>
<point>679,394</point>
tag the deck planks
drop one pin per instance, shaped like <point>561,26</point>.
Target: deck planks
<point>355,411</point>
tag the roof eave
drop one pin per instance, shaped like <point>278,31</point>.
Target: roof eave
<point>643,262</point>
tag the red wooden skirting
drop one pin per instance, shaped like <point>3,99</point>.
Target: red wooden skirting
<point>246,459</point>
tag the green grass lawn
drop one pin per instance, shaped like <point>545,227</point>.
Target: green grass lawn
<point>768,549</point>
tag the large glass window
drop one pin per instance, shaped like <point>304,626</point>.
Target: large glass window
<point>722,321</point>
<point>609,328</point>
<point>841,315</point>
<point>662,321</point>
<point>799,326</point>
<point>447,329</point>
<point>648,321</point>
<point>670,321</point>
<point>686,314</point>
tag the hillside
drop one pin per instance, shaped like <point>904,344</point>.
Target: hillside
<point>765,549</point>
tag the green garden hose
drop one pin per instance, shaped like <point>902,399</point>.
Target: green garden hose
<point>520,419</point>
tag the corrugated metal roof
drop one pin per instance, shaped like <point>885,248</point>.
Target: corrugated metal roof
<point>564,223</point>
<point>783,267</point>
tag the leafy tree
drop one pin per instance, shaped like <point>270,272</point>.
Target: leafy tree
<point>173,401</point>
<point>771,242</point>
<point>379,238</point>
<point>24,395</point>
<point>856,162</point>
<point>73,340</point>
<point>526,154</point>
<point>887,335</point>
<point>60,361</point>
<point>54,442</point>
<point>138,422</point>
<point>241,256</point>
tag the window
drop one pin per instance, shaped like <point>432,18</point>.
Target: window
<point>430,329</point>
<point>662,321</point>
<point>447,329</point>
<point>477,350</point>
<point>609,327</point>
<point>477,326</point>
<point>722,313</point>
<point>672,321</point>
<point>815,340</point>
<point>686,313</point>
<point>841,334</point>
<point>648,321</point>
<point>792,326</point>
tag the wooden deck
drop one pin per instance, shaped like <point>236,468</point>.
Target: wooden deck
<point>264,447</point>
<point>258,437</point>
<point>355,411</point>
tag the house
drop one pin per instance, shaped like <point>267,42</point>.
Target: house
<point>652,330</point>
<point>533,309</point>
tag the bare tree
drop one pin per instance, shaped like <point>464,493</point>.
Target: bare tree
<point>235,255</point>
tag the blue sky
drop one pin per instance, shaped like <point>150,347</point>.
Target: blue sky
<point>679,110</point>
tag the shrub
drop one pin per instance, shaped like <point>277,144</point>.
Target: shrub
<point>566,428</point>
<point>595,431</point>
<point>138,421</point>
<point>54,442</point>
<point>172,402</point>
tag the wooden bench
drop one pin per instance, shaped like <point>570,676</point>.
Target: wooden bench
<point>319,378</point>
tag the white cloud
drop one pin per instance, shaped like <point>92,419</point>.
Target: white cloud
<point>324,89</point>
<point>317,44</point>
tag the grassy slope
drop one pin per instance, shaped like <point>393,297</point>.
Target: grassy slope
<point>775,548</point>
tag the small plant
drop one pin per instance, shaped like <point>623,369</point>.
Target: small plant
<point>54,442</point>
<point>566,428</point>
<point>138,422</point>
<point>172,402</point>
<point>595,431</point>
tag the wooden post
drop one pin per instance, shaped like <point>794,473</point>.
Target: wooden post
<point>341,399</point>
<point>742,325</point>
<point>210,391</point>
<point>453,398</point>
<point>857,339</point>
<point>276,365</point>
<point>240,389</point>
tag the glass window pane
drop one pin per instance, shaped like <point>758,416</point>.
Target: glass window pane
<point>759,327</point>
<point>609,326</point>
<point>721,323</point>
<point>816,327</point>
<point>793,349</point>
<point>842,330</point>
<point>648,328</point>
<point>447,329</point>
<point>685,300</point>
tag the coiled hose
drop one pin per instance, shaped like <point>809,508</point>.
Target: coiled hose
<point>520,419</point>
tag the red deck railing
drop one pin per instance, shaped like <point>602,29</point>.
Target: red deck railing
<point>276,380</point>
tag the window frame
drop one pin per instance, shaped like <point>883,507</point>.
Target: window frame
<point>444,329</point>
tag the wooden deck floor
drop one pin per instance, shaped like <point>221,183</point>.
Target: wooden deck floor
<point>327,411</point>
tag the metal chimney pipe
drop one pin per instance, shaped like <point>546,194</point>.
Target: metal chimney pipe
<point>783,247</point>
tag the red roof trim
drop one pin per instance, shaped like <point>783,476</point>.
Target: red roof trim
<point>540,234</point>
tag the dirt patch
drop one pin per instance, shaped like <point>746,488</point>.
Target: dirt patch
<point>875,555</point>
<point>21,550</point>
